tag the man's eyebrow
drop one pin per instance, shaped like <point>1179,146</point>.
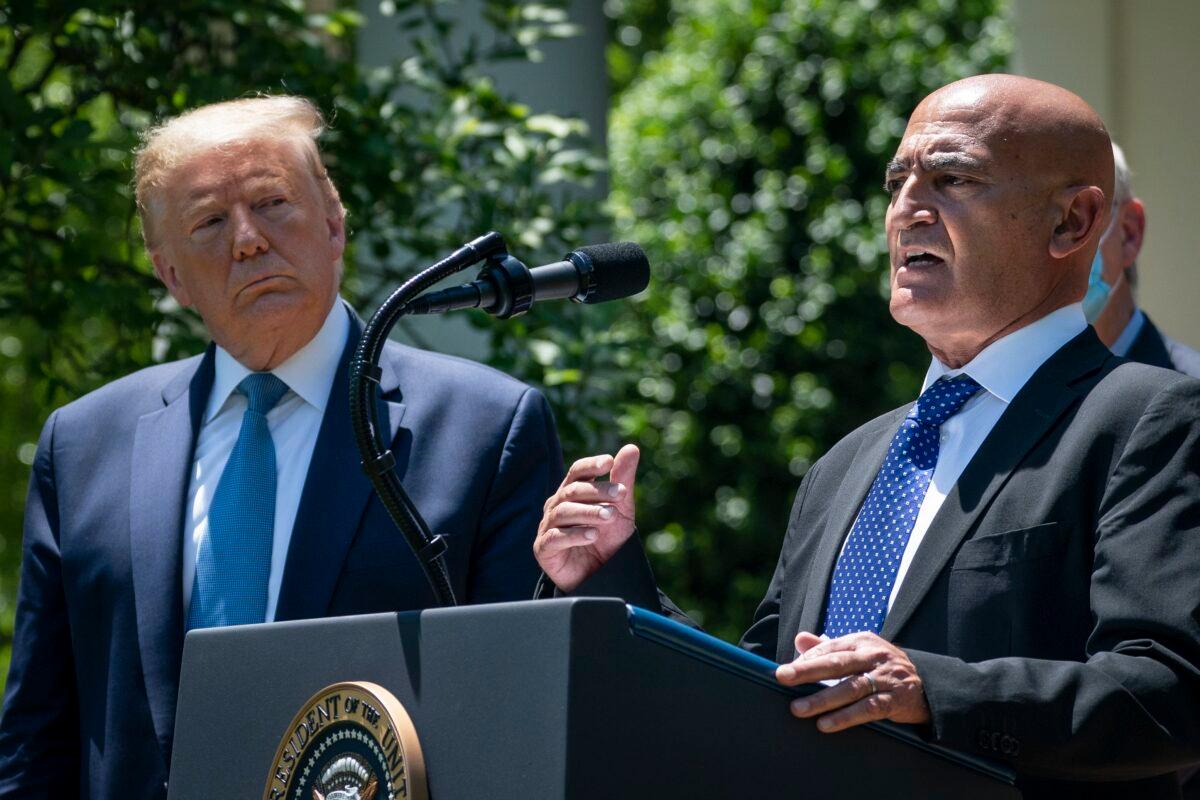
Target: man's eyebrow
<point>196,203</point>
<point>254,180</point>
<point>943,161</point>
<point>199,194</point>
<point>936,162</point>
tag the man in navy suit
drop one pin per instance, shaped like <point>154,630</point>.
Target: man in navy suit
<point>131,538</point>
<point>1110,302</point>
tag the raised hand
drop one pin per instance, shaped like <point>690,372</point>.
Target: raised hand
<point>587,520</point>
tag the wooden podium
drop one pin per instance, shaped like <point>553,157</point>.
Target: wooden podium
<point>580,698</point>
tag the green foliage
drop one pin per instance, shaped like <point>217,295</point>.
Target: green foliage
<point>426,152</point>
<point>747,149</point>
<point>637,28</point>
<point>747,159</point>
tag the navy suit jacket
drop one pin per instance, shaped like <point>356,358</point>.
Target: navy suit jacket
<point>1150,346</point>
<point>89,708</point>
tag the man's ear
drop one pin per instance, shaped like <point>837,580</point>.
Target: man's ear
<point>1081,216</point>
<point>169,277</point>
<point>1132,226</point>
<point>335,221</point>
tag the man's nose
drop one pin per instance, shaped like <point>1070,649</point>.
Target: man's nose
<point>248,239</point>
<point>913,205</point>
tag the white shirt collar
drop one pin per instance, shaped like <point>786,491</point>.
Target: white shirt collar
<point>309,373</point>
<point>1125,341</point>
<point>1005,365</point>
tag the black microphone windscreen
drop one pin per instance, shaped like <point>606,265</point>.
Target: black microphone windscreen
<point>620,270</point>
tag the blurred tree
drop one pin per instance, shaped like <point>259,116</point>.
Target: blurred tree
<point>426,153</point>
<point>747,158</point>
<point>636,29</point>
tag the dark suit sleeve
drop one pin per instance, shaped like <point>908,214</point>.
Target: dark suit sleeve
<point>626,576</point>
<point>530,470</point>
<point>39,745</point>
<point>762,638</point>
<point>1132,709</point>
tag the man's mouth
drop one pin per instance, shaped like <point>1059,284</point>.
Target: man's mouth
<point>259,282</point>
<point>920,258</point>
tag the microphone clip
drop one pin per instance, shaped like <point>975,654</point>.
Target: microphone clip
<point>512,285</point>
<point>587,275</point>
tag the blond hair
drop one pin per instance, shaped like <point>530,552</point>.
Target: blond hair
<point>166,146</point>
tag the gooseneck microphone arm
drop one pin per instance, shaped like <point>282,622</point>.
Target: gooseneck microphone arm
<point>378,461</point>
<point>505,288</point>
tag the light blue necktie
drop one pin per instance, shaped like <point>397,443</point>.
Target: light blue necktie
<point>233,564</point>
<point>866,570</point>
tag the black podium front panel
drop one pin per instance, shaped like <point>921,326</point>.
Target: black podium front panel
<point>546,699</point>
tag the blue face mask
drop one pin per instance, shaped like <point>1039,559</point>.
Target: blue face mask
<point>1097,292</point>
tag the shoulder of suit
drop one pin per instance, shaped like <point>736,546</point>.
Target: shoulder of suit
<point>1134,379</point>
<point>137,392</point>
<point>429,370</point>
<point>1132,391</point>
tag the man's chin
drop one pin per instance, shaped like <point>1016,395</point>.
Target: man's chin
<point>273,297</point>
<point>914,311</point>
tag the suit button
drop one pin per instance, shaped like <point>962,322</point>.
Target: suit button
<point>984,740</point>
<point>995,741</point>
<point>1006,745</point>
<point>1016,748</point>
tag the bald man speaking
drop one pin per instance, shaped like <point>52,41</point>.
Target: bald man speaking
<point>1012,562</point>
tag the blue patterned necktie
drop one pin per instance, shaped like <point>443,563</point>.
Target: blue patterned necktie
<point>866,570</point>
<point>233,563</point>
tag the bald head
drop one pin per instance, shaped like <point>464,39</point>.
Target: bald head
<point>1000,192</point>
<point>1052,133</point>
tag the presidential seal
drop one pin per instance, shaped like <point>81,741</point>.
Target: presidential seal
<point>350,741</point>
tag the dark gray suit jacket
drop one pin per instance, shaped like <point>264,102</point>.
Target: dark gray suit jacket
<point>1053,608</point>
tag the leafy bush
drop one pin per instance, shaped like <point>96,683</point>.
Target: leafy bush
<point>426,152</point>
<point>747,158</point>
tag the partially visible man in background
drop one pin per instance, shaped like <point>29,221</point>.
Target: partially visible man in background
<point>226,488</point>
<point>1112,309</point>
<point>1110,304</point>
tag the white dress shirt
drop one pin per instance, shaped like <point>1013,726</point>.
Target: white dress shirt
<point>1125,341</point>
<point>294,423</point>
<point>1002,369</point>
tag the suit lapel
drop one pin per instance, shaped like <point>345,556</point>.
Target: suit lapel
<point>163,447</point>
<point>336,491</point>
<point>843,510</point>
<point>1049,394</point>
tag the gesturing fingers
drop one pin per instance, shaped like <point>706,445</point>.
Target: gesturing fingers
<point>567,514</point>
<point>585,469</point>
<point>556,540</point>
<point>599,492</point>
<point>588,519</point>
<point>624,466</point>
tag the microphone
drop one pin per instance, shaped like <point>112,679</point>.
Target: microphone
<point>506,287</point>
